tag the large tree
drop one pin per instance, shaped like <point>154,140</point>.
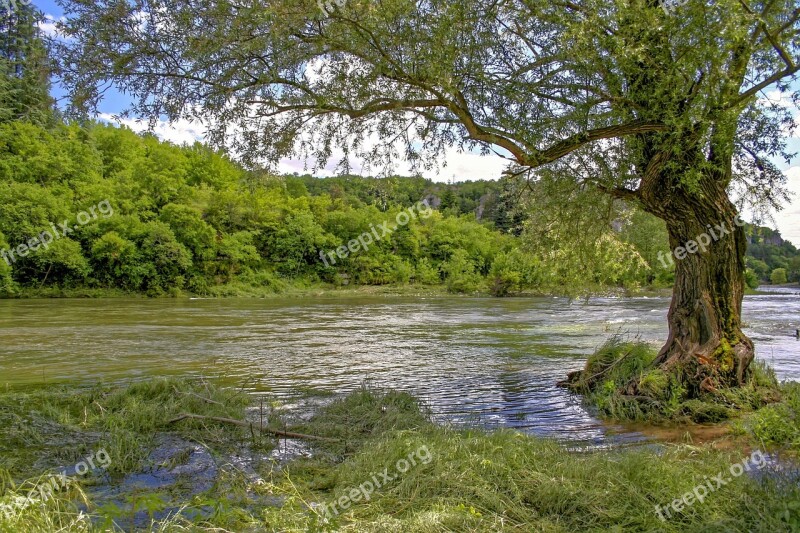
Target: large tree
<point>654,104</point>
<point>24,67</point>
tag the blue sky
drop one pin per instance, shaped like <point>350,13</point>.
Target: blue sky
<point>454,165</point>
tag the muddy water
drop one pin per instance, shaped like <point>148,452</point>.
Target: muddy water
<point>490,362</point>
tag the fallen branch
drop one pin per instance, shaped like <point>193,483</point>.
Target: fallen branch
<point>208,400</point>
<point>609,367</point>
<point>249,425</point>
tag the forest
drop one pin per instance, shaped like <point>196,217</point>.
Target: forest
<point>187,219</point>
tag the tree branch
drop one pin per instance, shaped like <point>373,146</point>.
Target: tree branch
<point>570,144</point>
<point>752,91</point>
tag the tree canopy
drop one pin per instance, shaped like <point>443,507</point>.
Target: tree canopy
<point>24,67</point>
<point>538,80</point>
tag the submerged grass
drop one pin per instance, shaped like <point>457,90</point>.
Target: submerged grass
<point>360,416</point>
<point>507,481</point>
<point>60,425</point>
<point>474,480</point>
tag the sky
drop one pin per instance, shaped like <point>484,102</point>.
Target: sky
<point>452,165</point>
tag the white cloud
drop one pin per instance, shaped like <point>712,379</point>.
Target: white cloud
<point>789,219</point>
<point>466,166</point>
<point>782,99</point>
<point>48,25</point>
<point>453,165</point>
<point>178,132</point>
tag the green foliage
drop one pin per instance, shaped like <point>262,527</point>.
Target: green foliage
<point>426,273</point>
<point>751,279</point>
<point>648,235</point>
<point>24,66</point>
<point>767,251</point>
<point>64,259</point>
<point>188,218</point>
<point>7,285</point>
<point>778,276</point>
<point>460,275</point>
<point>514,271</point>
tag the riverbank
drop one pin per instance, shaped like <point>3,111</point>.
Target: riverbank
<point>333,291</point>
<point>319,290</point>
<point>383,467</point>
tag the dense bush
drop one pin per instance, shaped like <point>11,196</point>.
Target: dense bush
<point>778,276</point>
<point>188,218</point>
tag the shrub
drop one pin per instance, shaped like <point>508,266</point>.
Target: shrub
<point>751,279</point>
<point>778,276</point>
<point>426,273</point>
<point>512,272</point>
<point>461,275</point>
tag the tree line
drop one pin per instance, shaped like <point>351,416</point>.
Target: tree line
<point>187,218</point>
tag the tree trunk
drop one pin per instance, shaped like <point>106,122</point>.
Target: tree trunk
<point>706,348</point>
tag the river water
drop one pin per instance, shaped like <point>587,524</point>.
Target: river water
<point>480,361</point>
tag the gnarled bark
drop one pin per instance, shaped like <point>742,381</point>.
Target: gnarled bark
<point>706,347</point>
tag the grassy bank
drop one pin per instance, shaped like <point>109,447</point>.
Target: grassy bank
<point>464,480</point>
<point>662,397</point>
<point>299,290</point>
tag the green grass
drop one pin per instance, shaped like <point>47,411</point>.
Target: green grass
<point>360,416</point>
<point>506,481</point>
<point>473,481</point>
<point>662,398</point>
<point>63,424</point>
<point>777,424</point>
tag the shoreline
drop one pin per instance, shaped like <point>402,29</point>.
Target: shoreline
<point>323,291</point>
<point>245,479</point>
<point>330,291</point>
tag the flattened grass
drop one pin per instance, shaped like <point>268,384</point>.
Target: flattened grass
<point>507,481</point>
<point>475,481</point>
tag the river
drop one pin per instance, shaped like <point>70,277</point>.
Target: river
<point>482,361</point>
